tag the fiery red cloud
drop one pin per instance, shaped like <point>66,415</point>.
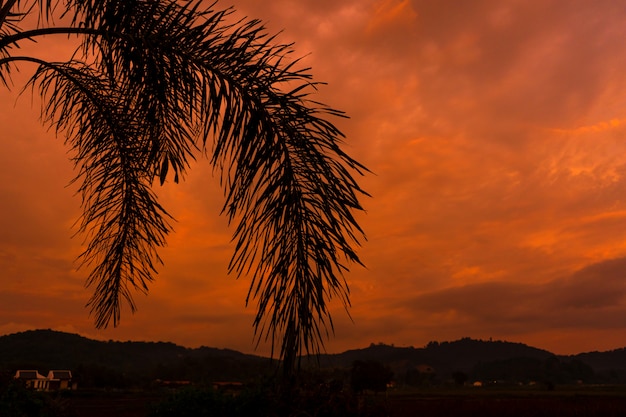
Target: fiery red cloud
<point>495,134</point>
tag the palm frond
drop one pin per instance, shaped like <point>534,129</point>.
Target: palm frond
<point>157,82</point>
<point>121,217</point>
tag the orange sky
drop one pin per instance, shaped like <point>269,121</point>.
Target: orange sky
<point>496,134</point>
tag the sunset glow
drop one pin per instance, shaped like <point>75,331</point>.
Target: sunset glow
<point>496,136</point>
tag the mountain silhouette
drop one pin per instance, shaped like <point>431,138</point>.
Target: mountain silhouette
<point>114,363</point>
<point>443,357</point>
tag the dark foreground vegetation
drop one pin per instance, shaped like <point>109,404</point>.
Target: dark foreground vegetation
<point>192,401</point>
<point>320,401</point>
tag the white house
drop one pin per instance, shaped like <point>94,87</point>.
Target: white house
<point>32,379</point>
<point>56,380</point>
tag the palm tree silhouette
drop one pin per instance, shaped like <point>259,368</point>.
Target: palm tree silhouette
<point>152,85</point>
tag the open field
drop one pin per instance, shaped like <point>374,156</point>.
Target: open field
<point>603,401</point>
<point>564,402</point>
<point>107,404</point>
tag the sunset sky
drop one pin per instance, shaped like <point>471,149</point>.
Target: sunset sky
<point>496,136</point>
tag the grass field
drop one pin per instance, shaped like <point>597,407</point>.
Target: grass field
<point>579,401</point>
<point>588,401</point>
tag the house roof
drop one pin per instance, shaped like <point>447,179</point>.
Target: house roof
<point>60,375</point>
<point>28,374</point>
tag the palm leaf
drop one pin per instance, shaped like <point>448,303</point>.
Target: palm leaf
<point>156,83</point>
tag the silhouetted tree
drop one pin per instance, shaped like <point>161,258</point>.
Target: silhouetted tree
<point>414,377</point>
<point>459,377</point>
<point>153,84</point>
<point>369,375</point>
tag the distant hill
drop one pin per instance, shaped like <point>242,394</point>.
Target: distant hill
<point>490,360</point>
<point>445,357</point>
<point>115,363</point>
<point>112,363</point>
<point>604,361</point>
<point>610,366</point>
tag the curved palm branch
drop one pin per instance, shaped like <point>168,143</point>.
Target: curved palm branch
<point>158,81</point>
